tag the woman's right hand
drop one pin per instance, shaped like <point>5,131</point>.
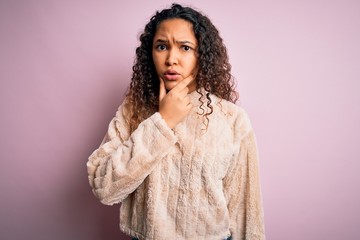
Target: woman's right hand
<point>175,105</point>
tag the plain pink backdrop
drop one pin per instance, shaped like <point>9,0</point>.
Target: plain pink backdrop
<point>64,68</point>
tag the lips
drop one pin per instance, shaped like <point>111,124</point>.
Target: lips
<point>171,75</point>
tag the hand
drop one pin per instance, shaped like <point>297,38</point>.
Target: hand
<point>175,105</point>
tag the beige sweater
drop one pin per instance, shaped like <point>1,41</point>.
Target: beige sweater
<point>184,183</point>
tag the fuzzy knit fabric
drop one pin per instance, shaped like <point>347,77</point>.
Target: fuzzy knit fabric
<point>182,183</point>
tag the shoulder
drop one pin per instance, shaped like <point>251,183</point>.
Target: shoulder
<point>119,125</point>
<point>123,112</point>
<point>233,114</point>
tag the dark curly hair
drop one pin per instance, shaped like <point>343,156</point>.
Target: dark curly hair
<point>142,98</point>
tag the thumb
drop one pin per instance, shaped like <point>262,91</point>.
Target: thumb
<point>162,91</point>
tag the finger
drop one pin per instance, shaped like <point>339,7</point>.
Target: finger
<point>162,91</point>
<point>184,92</point>
<point>187,100</point>
<point>185,82</point>
<point>189,106</point>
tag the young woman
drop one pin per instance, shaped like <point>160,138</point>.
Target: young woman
<point>179,155</point>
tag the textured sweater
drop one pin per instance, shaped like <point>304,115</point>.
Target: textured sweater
<point>182,183</point>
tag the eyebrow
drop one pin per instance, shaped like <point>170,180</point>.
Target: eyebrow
<point>181,42</point>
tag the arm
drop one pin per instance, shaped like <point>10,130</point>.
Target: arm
<point>243,193</point>
<point>122,162</point>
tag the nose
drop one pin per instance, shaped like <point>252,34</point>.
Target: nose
<point>172,57</point>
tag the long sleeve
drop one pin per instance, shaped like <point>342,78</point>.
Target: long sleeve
<point>243,193</point>
<point>124,160</point>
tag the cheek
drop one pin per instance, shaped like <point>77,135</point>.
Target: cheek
<point>156,62</point>
<point>155,57</point>
<point>193,65</point>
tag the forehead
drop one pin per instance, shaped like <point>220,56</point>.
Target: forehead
<point>175,28</point>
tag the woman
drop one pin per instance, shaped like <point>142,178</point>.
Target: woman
<point>179,155</point>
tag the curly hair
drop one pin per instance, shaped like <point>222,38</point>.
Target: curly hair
<point>142,98</point>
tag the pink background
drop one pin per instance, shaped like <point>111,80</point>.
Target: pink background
<point>65,66</point>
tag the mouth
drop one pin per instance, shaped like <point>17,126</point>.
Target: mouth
<point>171,75</point>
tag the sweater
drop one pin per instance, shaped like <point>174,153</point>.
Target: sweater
<point>190,182</point>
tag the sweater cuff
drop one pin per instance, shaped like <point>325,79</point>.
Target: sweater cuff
<point>163,128</point>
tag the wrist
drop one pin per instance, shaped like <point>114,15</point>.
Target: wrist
<point>167,120</point>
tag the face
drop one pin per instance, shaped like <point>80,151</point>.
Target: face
<point>175,52</point>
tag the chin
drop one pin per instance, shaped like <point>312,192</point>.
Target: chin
<point>170,85</point>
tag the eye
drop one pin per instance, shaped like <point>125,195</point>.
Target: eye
<point>186,48</point>
<point>161,47</point>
